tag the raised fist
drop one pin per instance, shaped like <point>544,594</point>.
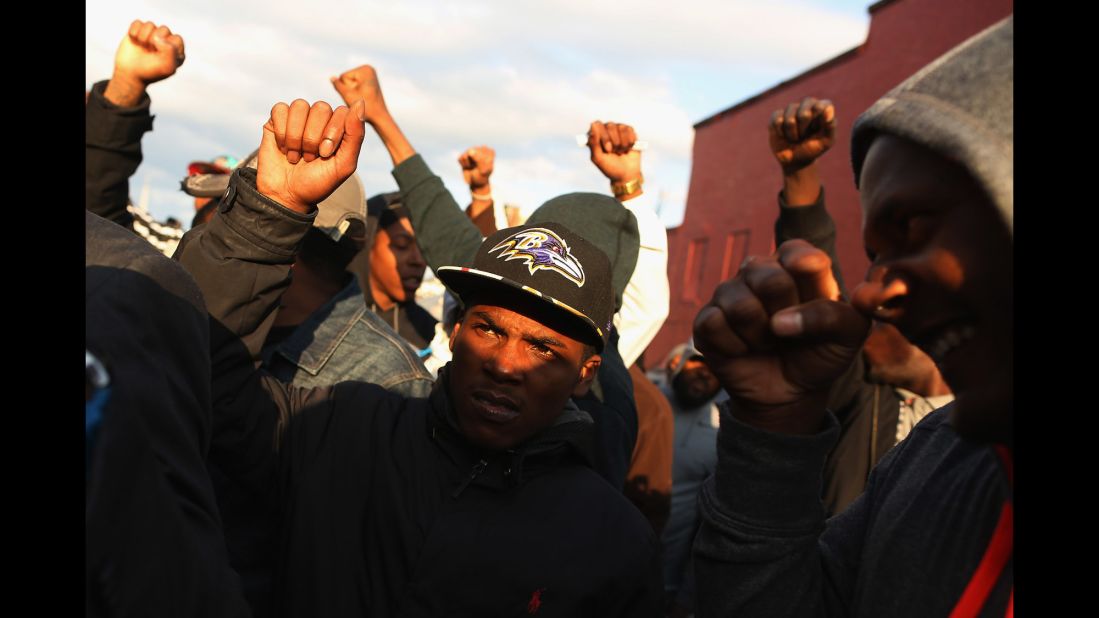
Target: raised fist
<point>802,132</point>
<point>148,53</point>
<point>477,165</point>
<point>611,146</point>
<point>361,83</point>
<point>308,151</point>
<point>776,335</point>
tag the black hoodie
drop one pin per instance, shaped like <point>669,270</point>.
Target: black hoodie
<point>382,507</point>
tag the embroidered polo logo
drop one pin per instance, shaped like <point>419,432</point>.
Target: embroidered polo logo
<point>535,601</point>
<point>541,249</point>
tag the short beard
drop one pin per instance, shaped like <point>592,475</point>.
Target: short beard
<point>685,397</point>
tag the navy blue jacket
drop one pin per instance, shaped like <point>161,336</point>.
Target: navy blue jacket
<point>382,507</point>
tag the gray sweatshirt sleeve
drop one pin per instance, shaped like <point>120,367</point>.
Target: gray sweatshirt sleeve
<point>760,550</point>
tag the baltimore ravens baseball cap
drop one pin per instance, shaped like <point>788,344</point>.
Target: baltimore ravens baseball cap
<point>547,261</point>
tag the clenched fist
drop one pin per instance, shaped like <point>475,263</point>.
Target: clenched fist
<point>361,83</point>
<point>477,163</point>
<point>802,132</point>
<point>611,145</point>
<point>776,336</point>
<point>147,54</point>
<point>308,151</point>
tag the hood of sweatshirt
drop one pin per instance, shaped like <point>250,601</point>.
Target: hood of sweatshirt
<point>961,106</point>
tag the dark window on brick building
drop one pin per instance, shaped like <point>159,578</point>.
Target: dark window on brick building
<point>696,259</point>
<point>736,249</point>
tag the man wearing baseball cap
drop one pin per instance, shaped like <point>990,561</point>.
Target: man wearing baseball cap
<point>477,500</point>
<point>446,236</point>
<point>321,333</point>
<point>205,182</point>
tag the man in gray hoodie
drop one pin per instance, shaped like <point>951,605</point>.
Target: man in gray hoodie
<point>932,534</point>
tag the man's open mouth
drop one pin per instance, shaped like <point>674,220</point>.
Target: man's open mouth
<point>940,341</point>
<point>495,407</point>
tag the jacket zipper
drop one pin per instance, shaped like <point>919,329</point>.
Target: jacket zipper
<point>478,468</point>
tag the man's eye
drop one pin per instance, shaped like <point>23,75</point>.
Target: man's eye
<point>544,351</point>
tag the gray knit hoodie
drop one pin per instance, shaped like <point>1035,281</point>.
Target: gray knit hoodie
<point>962,106</point>
<point>909,546</point>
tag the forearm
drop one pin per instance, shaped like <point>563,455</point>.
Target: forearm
<point>761,521</point>
<point>124,90</point>
<point>112,152</point>
<point>396,144</point>
<point>647,297</point>
<point>813,223</point>
<point>484,219</point>
<point>241,261</point>
<point>480,198</point>
<point>628,187</point>
<point>481,209</point>
<point>242,273</point>
<point>801,186</point>
<point>476,207</point>
<point>644,305</point>
<point>445,234</point>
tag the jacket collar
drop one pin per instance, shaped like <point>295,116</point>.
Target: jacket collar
<point>570,439</point>
<point>315,340</point>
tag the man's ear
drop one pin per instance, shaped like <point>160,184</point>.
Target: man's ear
<point>454,334</point>
<point>587,375</point>
<point>672,362</point>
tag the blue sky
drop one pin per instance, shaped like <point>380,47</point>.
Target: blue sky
<point>522,77</point>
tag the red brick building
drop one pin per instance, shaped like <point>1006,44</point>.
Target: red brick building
<point>731,203</point>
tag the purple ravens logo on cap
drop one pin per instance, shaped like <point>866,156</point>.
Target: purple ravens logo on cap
<point>542,249</point>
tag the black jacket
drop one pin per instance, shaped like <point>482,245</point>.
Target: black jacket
<point>908,546</point>
<point>382,507</point>
<point>112,152</point>
<point>153,536</point>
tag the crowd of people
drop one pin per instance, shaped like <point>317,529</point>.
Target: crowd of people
<point>276,427</point>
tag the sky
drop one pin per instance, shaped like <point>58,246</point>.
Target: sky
<point>522,77</point>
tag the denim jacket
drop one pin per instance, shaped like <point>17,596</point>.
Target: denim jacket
<point>344,340</point>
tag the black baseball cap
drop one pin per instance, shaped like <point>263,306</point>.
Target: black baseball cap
<point>549,262</point>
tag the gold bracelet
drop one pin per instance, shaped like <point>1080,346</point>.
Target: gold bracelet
<point>625,189</point>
